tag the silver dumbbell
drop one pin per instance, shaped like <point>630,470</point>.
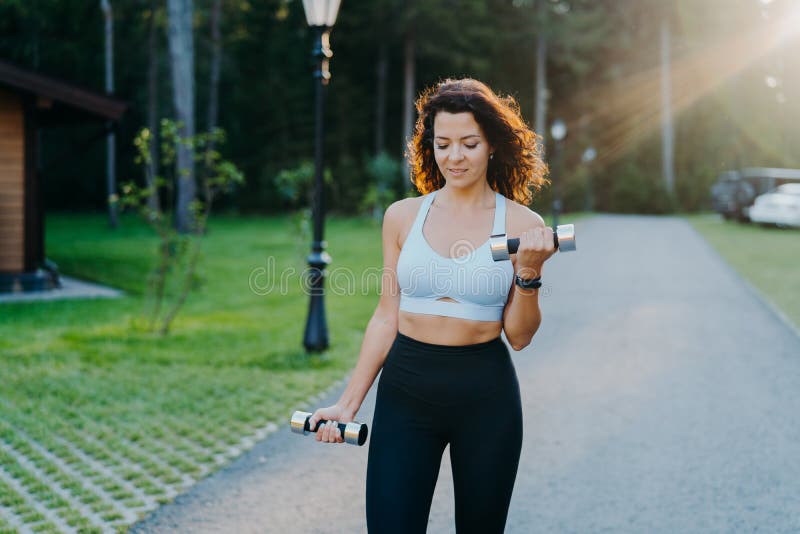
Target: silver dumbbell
<point>502,247</point>
<point>352,432</point>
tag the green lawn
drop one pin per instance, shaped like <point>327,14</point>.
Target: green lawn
<point>144,410</point>
<point>768,257</point>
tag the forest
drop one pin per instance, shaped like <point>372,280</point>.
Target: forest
<point>598,65</point>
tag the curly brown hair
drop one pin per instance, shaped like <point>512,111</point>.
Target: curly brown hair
<point>517,165</point>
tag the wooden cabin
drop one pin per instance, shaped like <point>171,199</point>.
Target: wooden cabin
<point>30,101</point>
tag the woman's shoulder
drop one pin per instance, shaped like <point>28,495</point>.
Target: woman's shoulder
<point>399,217</point>
<point>404,208</point>
<point>521,218</point>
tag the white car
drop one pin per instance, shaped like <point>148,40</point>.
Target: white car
<point>780,206</point>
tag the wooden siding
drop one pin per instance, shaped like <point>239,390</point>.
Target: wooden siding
<point>12,183</point>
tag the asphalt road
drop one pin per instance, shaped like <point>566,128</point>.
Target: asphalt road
<point>661,394</point>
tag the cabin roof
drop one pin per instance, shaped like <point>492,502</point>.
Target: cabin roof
<point>47,87</point>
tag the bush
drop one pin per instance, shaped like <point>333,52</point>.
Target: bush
<point>178,253</point>
<point>296,185</point>
<point>634,191</point>
<point>384,171</point>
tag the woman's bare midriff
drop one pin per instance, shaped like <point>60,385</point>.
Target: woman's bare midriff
<point>442,330</point>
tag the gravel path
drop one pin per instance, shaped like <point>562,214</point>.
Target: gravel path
<point>660,395</point>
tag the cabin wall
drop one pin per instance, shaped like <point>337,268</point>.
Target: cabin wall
<point>12,182</point>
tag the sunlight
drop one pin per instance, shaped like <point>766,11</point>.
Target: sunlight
<point>632,106</point>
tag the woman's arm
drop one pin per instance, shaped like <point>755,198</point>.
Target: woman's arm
<point>522,316</point>
<point>382,327</point>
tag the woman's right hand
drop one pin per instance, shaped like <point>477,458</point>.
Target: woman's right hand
<point>330,432</point>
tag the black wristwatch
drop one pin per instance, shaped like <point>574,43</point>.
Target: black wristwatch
<point>530,283</point>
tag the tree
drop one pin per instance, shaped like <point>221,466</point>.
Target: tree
<point>175,273</point>
<point>667,129</point>
<point>151,167</point>
<point>181,48</point>
<point>111,177</point>
<point>216,59</point>
<point>541,73</point>
<point>424,26</point>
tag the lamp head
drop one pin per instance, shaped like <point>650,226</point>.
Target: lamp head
<point>558,130</point>
<point>321,12</point>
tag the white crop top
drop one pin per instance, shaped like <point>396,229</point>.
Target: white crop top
<point>479,284</point>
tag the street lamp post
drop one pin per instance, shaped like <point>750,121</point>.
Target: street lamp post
<point>321,16</point>
<point>559,131</point>
<point>588,157</point>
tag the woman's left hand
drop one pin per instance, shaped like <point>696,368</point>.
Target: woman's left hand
<point>535,247</point>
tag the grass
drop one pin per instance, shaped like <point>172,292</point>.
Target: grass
<point>133,413</point>
<point>768,257</point>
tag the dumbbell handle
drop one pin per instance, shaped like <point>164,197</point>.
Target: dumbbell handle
<point>513,244</point>
<point>353,432</point>
<point>563,239</point>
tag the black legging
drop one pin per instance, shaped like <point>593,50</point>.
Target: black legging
<point>431,395</point>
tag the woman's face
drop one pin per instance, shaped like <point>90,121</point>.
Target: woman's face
<point>460,148</point>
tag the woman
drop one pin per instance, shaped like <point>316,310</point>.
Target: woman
<point>448,377</point>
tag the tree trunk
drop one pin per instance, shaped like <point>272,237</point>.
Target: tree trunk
<point>213,79</point>
<point>181,48</point>
<point>540,113</point>
<point>216,57</point>
<point>408,99</point>
<point>111,178</point>
<point>380,124</point>
<point>667,129</point>
<point>380,92</point>
<point>152,106</point>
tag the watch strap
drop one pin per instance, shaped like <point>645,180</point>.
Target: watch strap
<point>528,283</point>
